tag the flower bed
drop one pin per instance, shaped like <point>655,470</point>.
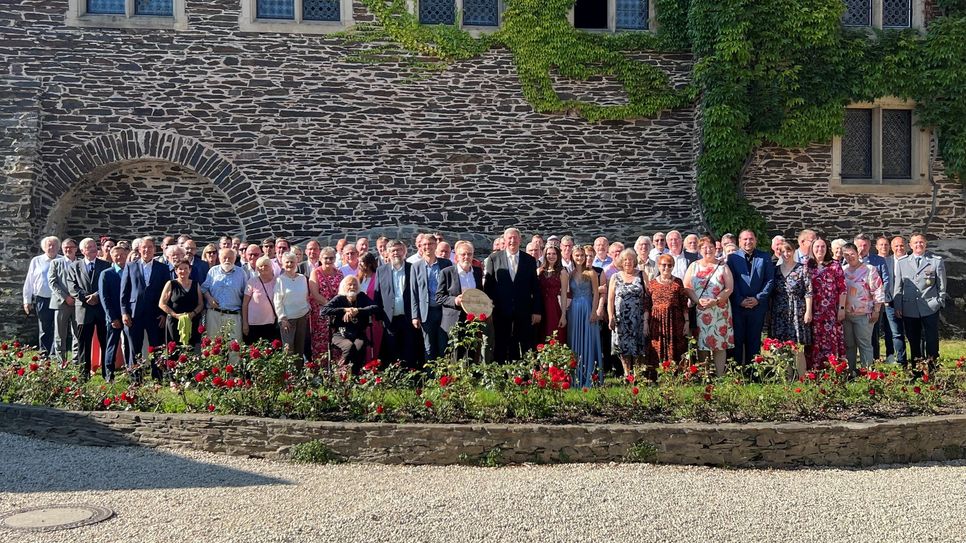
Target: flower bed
<point>261,380</point>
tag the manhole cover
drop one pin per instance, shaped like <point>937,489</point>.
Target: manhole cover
<point>54,517</point>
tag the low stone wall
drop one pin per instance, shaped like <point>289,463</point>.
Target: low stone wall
<point>749,445</point>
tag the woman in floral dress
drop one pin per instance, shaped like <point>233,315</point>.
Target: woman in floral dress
<point>791,300</point>
<point>828,307</point>
<point>628,306</point>
<point>709,283</point>
<point>669,317</point>
<point>323,286</point>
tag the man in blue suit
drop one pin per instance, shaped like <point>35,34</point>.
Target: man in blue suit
<point>141,286</point>
<point>424,282</point>
<point>109,291</point>
<point>754,275</point>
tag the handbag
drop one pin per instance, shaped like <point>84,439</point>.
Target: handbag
<point>270,302</point>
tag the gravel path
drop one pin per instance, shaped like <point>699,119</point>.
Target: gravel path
<point>188,496</point>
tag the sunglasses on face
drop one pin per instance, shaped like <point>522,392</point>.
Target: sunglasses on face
<point>665,265</point>
<point>209,252</point>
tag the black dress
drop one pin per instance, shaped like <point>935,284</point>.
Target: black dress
<point>182,301</point>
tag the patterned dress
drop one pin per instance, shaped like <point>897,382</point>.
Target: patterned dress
<point>550,289</point>
<point>788,306</point>
<point>828,339</point>
<point>669,306</point>
<point>715,327</point>
<point>631,301</point>
<point>318,325</point>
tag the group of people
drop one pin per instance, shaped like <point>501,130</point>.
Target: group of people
<point>618,308</point>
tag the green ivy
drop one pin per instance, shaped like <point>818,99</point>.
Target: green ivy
<point>766,72</point>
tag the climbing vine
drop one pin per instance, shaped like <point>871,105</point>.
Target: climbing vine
<point>766,71</point>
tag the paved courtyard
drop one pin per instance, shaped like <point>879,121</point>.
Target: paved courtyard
<point>178,495</point>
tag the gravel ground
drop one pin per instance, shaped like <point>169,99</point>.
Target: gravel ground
<point>188,496</point>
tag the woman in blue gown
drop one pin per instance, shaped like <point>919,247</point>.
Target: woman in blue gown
<point>583,332</point>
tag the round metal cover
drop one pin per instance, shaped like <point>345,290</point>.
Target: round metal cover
<point>49,518</point>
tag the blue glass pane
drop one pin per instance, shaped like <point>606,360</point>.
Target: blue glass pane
<point>857,13</point>
<point>275,9</point>
<point>896,13</point>
<point>154,7</point>
<point>105,6</point>
<point>632,14</point>
<point>437,12</point>
<point>481,12</point>
<point>320,10</point>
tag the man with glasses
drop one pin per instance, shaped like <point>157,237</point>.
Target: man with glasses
<point>567,253</point>
<point>350,259</point>
<point>65,325</point>
<point>660,246</point>
<point>281,247</point>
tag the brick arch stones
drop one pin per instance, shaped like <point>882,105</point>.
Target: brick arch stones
<point>99,156</point>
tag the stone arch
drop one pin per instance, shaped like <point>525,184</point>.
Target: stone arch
<point>96,158</point>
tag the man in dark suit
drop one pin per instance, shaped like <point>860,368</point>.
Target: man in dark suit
<point>82,284</point>
<point>898,246</point>
<point>510,280</point>
<point>754,276</point>
<point>424,282</point>
<point>394,296</point>
<point>109,292</point>
<point>682,260</point>
<point>141,286</point>
<point>453,281</point>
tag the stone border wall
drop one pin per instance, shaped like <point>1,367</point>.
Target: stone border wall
<point>905,440</point>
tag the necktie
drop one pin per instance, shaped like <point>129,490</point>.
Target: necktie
<point>918,261</point>
<point>90,269</point>
<point>749,257</point>
<point>513,267</point>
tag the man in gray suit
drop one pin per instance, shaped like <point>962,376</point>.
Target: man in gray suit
<point>82,283</point>
<point>424,282</point>
<point>65,324</point>
<point>919,294</point>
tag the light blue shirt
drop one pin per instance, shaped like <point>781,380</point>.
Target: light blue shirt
<point>227,289</point>
<point>432,282</point>
<point>398,285</point>
<point>598,263</point>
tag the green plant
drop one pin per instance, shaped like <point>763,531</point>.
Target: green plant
<point>641,451</point>
<point>315,452</point>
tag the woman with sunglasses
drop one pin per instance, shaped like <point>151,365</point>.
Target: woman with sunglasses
<point>323,286</point>
<point>210,255</point>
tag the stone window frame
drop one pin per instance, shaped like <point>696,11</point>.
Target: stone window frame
<point>612,19</point>
<point>921,139</point>
<point>918,20</point>
<point>249,22</point>
<point>475,31</point>
<point>77,16</point>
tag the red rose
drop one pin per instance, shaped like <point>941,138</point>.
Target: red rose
<point>230,383</point>
<point>172,346</point>
<point>200,376</point>
<point>541,347</point>
<point>171,364</point>
<point>16,344</point>
<point>255,353</point>
<point>35,358</point>
<point>150,349</point>
<point>810,375</point>
<point>229,368</point>
<point>379,410</point>
<point>20,372</point>
<point>34,367</point>
<point>234,346</point>
<point>107,402</point>
<point>428,403</point>
<point>215,370</point>
<point>182,359</point>
<point>19,354</point>
<point>482,317</point>
<point>553,342</point>
<point>205,341</point>
<point>124,396</point>
<point>917,390</point>
<point>518,380</point>
<point>470,317</point>
<point>871,392</point>
<point>362,380</point>
<point>635,390</point>
<point>630,377</point>
<point>565,385</point>
<point>692,369</point>
<point>925,378</point>
<point>276,344</point>
<point>211,407</point>
<point>445,380</point>
<point>216,350</point>
<point>217,381</point>
<point>378,380</point>
<point>4,346</point>
<point>201,328</point>
<point>798,391</point>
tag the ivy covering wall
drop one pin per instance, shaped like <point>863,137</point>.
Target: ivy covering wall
<point>766,71</point>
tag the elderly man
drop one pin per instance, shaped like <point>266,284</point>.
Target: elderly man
<point>443,250</point>
<point>805,239</point>
<point>109,294</point>
<point>919,294</point>
<point>134,255</point>
<point>82,284</point>
<point>198,266</point>
<point>499,244</point>
<point>176,255</point>
<point>252,254</point>
<point>313,250</point>
<point>36,293</point>
<point>454,281</point>
<point>281,247</point>
<point>863,244</point>
<point>224,289</point>
<point>362,245</point>
<point>898,246</point>
<point>166,241</point>
<point>394,295</point>
<point>691,244</point>
<point>613,251</point>
<point>65,325</point>
<point>660,246</point>
<point>141,285</point>
<point>427,313</point>
<point>567,253</point>
<point>510,280</point>
<point>601,258</point>
<point>350,260</point>
<point>381,242</point>
<point>682,259</point>
<point>754,277</point>
<point>776,248</point>
<point>535,250</point>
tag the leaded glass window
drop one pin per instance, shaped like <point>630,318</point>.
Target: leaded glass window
<point>857,13</point>
<point>632,14</point>
<point>105,6</point>
<point>437,12</point>
<point>154,7</point>
<point>481,12</point>
<point>896,13</point>
<point>857,144</point>
<point>320,10</point>
<point>275,9</point>
<point>896,144</point>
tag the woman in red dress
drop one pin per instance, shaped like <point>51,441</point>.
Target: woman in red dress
<point>828,307</point>
<point>554,286</point>
<point>669,318</point>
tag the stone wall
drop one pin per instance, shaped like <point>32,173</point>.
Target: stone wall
<point>733,445</point>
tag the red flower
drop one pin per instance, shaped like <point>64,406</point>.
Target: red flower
<point>217,381</point>
<point>630,377</point>
<point>230,383</point>
<point>481,317</point>
<point>378,380</point>
<point>810,375</point>
<point>200,376</point>
<point>107,402</point>
<point>798,391</point>
<point>171,364</point>
<point>925,378</point>
<point>541,347</point>
<point>379,409</point>
<point>20,372</point>
<point>308,393</point>
<point>234,346</point>
<point>182,359</point>
<point>634,391</point>
<point>201,328</point>
<point>371,366</point>
<point>573,362</point>
<point>759,359</point>
<point>871,392</point>
<point>172,346</point>
<point>553,342</point>
<point>692,369</point>
<point>216,350</point>
<point>917,389</point>
<point>205,341</point>
<point>255,353</point>
<point>470,317</point>
<point>4,346</point>
<point>362,380</point>
<point>229,368</point>
<point>215,370</point>
<point>34,367</point>
<point>445,380</point>
<point>428,403</point>
<point>211,407</point>
<point>35,358</point>
<point>707,396</point>
<point>276,344</point>
<point>124,396</point>
<point>518,380</point>
<point>666,365</point>
<point>565,385</point>
<point>16,344</point>
<point>19,354</point>
<point>150,349</point>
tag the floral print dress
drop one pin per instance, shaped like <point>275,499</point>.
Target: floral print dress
<point>715,327</point>
<point>828,339</point>
<point>319,325</point>
<point>631,301</point>
<point>788,306</point>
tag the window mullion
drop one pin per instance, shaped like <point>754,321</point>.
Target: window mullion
<point>877,144</point>
<point>876,13</point>
<point>298,11</point>
<point>128,8</point>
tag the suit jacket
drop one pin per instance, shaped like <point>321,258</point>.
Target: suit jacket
<point>885,272</point>
<point>419,285</point>
<point>920,290</point>
<point>202,267</point>
<point>81,284</point>
<point>518,296</point>
<point>756,281</point>
<point>304,268</point>
<point>57,278</point>
<point>138,299</point>
<point>109,291</point>
<point>385,293</point>
<point>449,289</point>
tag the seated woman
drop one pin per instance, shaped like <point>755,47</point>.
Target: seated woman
<point>350,311</point>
